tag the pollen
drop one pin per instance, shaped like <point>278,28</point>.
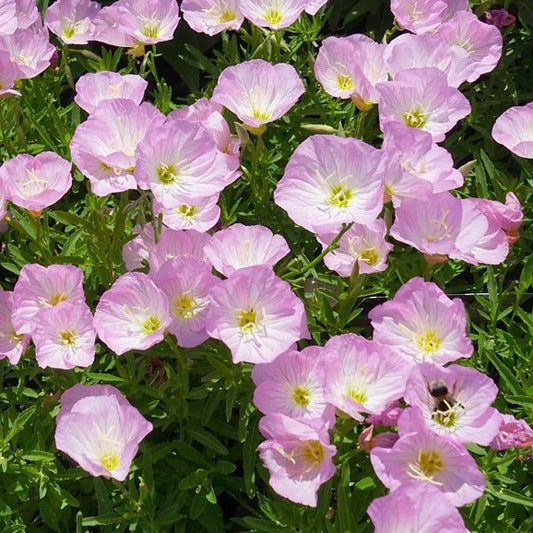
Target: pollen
<point>151,29</point>
<point>15,337</point>
<point>186,211</point>
<point>184,306</point>
<point>415,118</point>
<point>247,320</point>
<point>166,173</point>
<point>370,256</point>
<point>67,337</point>
<point>301,396</point>
<point>429,342</point>
<point>227,15</point>
<point>151,325</point>
<point>313,452</point>
<point>340,196</point>
<point>273,16</point>
<point>110,461</point>
<point>258,114</point>
<point>57,298</point>
<point>345,83</point>
<point>358,396</point>
<point>430,462</point>
<point>68,31</point>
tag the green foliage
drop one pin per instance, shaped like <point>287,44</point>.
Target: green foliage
<point>199,469</point>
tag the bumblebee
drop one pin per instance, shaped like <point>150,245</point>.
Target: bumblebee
<point>446,407</point>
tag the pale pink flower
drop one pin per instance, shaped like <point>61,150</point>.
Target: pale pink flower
<point>257,91</point>
<point>240,246</point>
<point>361,244</point>
<point>40,287</point>
<point>298,456</point>
<point>314,5</point>
<point>7,74</point>
<point>331,180</point>
<point>512,433</point>
<point>36,182</point>
<point>133,314</point>
<point>482,42</point>
<point>187,281</point>
<point>274,14</point>
<point>8,18</point>
<point>64,336</point>
<point>3,200</point>
<point>415,507</point>
<point>27,13</point>
<point>388,417</point>
<point>180,160</point>
<point>415,165</point>
<point>100,430</point>
<point>29,50</point>
<point>212,16</point>
<point>71,20</point>
<point>293,385</point>
<point>12,345</point>
<point>427,50</point>
<point>444,225</point>
<point>200,214</point>
<point>432,460</point>
<point>93,88</point>
<point>453,401</point>
<point>173,244</point>
<point>107,28</point>
<point>208,114</point>
<point>361,376</point>
<point>422,324</point>
<point>103,147</point>
<point>256,315</point>
<point>421,98</point>
<point>514,129</point>
<point>136,251</point>
<point>149,21</point>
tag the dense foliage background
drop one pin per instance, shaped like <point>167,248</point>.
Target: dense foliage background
<point>199,469</point>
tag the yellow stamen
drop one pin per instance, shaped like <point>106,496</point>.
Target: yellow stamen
<point>301,396</point>
<point>110,461</point>
<point>429,342</point>
<point>415,118</point>
<point>151,325</point>
<point>68,337</point>
<point>345,83</point>
<point>246,319</point>
<point>166,173</point>
<point>273,16</point>
<point>340,196</point>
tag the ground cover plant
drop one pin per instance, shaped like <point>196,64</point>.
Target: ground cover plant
<point>264,266</point>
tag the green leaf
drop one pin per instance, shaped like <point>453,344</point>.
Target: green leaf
<point>19,423</point>
<point>510,496</point>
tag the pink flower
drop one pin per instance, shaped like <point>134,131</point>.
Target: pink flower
<point>136,251</point>
<point>432,460</point>
<point>421,98</point>
<point>40,287</point>
<point>187,282</point>
<point>273,13</point>
<point>8,19</point>
<point>331,180</point>
<point>212,16</point>
<point>173,244</point>
<point>257,91</point>
<point>103,147</point>
<point>361,244</point>
<point>133,314</point>
<point>12,345</point>
<point>71,20</point>
<point>453,401</point>
<point>445,225</point>
<point>298,457</point>
<point>292,385</point>
<point>514,129</point>
<point>148,21</point>
<point>512,433</point>
<point>256,315</point>
<point>36,182</point>
<point>3,200</point>
<point>107,28</point>
<point>482,42</point>
<point>240,246</point>
<point>415,165</point>
<point>199,214</point>
<point>499,18</point>
<point>314,5</point>
<point>29,50</point>
<point>421,16</point>
<point>427,50</point>
<point>100,430</point>
<point>179,160</point>
<point>93,88</point>
<point>361,376</point>
<point>64,336</point>
<point>388,417</point>
<point>422,324</point>
<point>26,12</point>
<point>7,74</point>
<point>415,507</point>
